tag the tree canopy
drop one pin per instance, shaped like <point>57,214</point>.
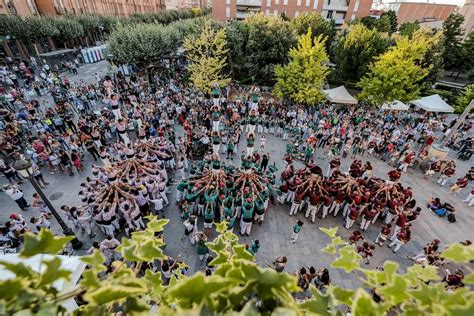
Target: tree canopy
<point>396,74</point>
<point>206,53</point>
<point>318,25</point>
<point>302,79</point>
<point>355,49</point>
<point>269,40</point>
<point>452,30</point>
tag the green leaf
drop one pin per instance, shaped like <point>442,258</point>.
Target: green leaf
<point>155,284</point>
<point>155,224</point>
<point>396,291</point>
<point>217,245</point>
<point>10,288</point>
<point>459,253</point>
<point>110,293</point>
<point>19,269</point>
<point>318,304</point>
<point>342,296</point>
<point>422,273</point>
<point>95,260</point>
<point>53,272</point>
<point>221,227</point>
<point>469,279</point>
<point>348,259</point>
<point>241,253</point>
<point>90,279</point>
<point>330,232</point>
<point>45,242</point>
<point>364,305</point>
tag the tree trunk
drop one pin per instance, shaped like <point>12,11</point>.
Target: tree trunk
<point>7,49</point>
<point>51,44</point>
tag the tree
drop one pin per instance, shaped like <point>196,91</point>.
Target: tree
<point>237,39</point>
<point>395,75</point>
<point>384,24</point>
<point>237,286</point>
<point>269,40</point>
<point>468,51</point>
<point>317,24</point>
<point>408,28</point>
<point>142,44</point>
<point>392,17</point>
<point>302,79</point>
<point>464,98</point>
<point>69,29</point>
<point>369,21</point>
<point>452,30</point>
<point>207,58</point>
<point>355,49</point>
<point>433,56</point>
<point>38,27</point>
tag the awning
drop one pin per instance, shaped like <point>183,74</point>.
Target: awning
<point>433,103</point>
<point>340,95</point>
<point>395,106</point>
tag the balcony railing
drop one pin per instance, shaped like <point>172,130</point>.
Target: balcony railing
<point>250,3</point>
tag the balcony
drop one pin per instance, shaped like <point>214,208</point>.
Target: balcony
<point>336,5</point>
<point>339,21</point>
<point>250,3</point>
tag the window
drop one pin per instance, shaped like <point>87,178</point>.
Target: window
<point>308,3</point>
<point>267,12</point>
<point>285,2</point>
<point>315,5</point>
<point>356,6</point>
<point>227,2</point>
<point>32,6</point>
<point>275,12</point>
<point>298,3</point>
<point>227,12</point>
<point>297,13</point>
<point>277,2</point>
<point>269,2</point>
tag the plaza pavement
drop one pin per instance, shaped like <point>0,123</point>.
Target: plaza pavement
<point>274,234</point>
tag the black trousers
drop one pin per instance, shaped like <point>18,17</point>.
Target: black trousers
<point>21,203</point>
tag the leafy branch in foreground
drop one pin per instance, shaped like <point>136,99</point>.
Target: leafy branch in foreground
<point>237,286</point>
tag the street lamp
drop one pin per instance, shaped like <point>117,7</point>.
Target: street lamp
<point>24,168</point>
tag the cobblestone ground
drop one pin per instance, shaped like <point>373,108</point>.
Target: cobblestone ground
<point>274,234</point>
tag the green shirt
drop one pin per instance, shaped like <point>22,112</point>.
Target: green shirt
<point>296,228</point>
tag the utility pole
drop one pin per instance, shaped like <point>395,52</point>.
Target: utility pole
<point>460,120</point>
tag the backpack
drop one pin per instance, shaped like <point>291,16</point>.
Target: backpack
<point>451,218</point>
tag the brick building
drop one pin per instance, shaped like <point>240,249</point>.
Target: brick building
<point>60,7</point>
<point>339,10</point>
<point>468,11</point>
<point>414,11</point>
<point>186,4</point>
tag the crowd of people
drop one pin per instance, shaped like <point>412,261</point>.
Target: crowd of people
<point>127,127</point>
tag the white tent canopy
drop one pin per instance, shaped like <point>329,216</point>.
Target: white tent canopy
<point>433,103</point>
<point>340,95</point>
<point>395,106</point>
<point>73,264</point>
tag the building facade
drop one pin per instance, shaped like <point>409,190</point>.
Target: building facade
<point>339,10</point>
<point>186,4</point>
<point>61,7</point>
<point>413,11</point>
<point>468,11</point>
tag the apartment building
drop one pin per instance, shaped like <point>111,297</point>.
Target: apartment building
<point>415,11</point>
<point>339,10</point>
<point>61,7</point>
<point>468,11</point>
<point>186,4</point>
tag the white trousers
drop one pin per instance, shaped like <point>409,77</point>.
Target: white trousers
<point>312,210</point>
<point>245,227</point>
